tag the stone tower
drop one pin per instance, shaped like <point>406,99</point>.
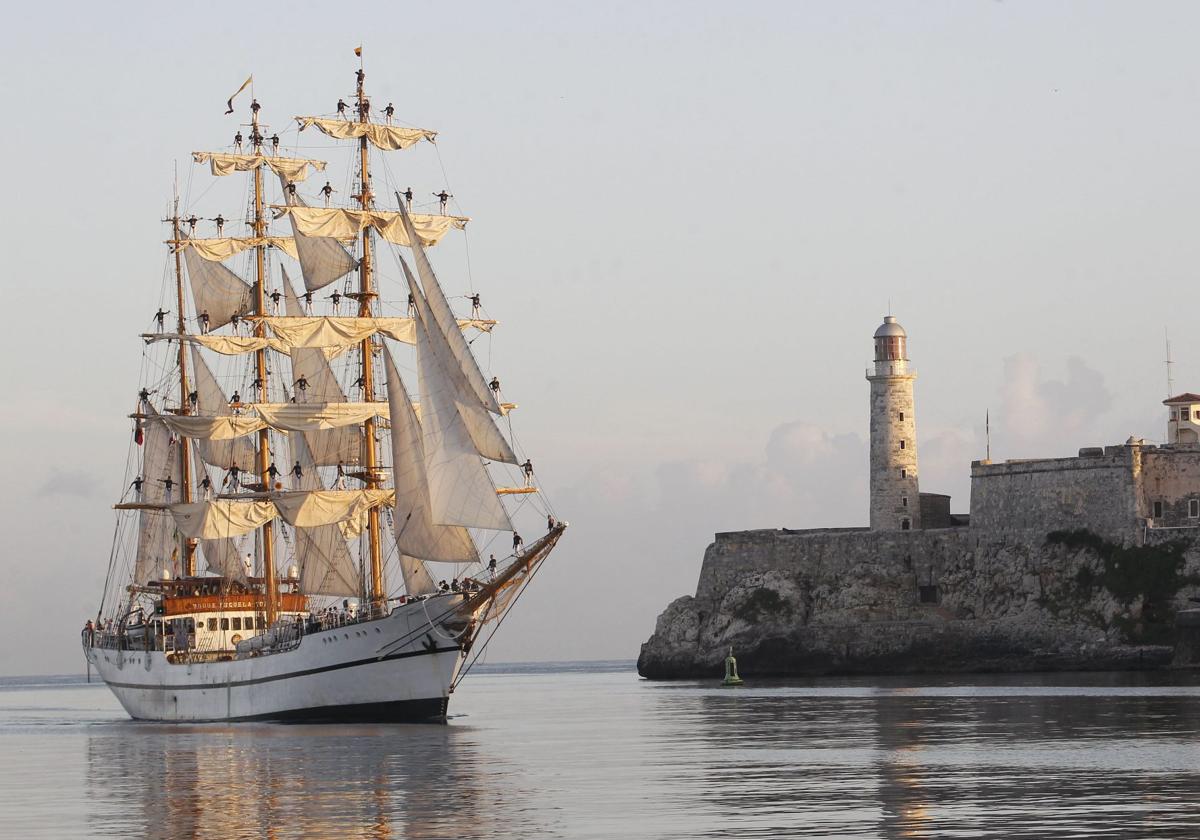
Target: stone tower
<point>895,499</point>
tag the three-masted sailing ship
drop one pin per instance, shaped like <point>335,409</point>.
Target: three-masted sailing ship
<point>283,548</point>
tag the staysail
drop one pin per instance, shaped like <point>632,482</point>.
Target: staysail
<point>479,423</point>
<point>416,533</point>
<point>460,490</point>
<point>445,321</point>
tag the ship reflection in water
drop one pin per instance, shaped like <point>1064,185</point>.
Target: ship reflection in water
<point>588,753</point>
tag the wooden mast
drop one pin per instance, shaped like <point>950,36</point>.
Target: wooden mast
<point>185,447</point>
<point>270,579</point>
<point>364,311</point>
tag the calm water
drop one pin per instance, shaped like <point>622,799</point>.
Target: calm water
<point>592,751</point>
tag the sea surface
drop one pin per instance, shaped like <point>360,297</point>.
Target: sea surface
<point>588,750</point>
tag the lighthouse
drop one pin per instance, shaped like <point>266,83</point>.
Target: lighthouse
<point>895,498</point>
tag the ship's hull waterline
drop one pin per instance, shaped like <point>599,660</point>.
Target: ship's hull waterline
<point>397,668</point>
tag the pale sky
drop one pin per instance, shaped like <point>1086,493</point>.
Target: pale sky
<point>689,219</point>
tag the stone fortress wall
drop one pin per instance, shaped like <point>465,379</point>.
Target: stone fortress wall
<point>1063,563</point>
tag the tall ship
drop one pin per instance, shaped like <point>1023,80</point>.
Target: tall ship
<point>319,505</point>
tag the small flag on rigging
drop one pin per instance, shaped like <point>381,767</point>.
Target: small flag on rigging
<point>358,51</point>
<point>245,84</point>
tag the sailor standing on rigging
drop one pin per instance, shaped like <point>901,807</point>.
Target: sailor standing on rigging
<point>328,192</point>
<point>442,198</point>
<point>159,315</point>
<point>528,468</point>
<point>220,220</point>
<point>298,473</point>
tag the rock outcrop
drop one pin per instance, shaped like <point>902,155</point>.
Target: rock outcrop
<point>856,601</point>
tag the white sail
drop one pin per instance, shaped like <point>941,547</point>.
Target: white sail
<point>322,259</point>
<point>387,137</point>
<point>217,290</point>
<point>313,508</point>
<point>479,424</point>
<point>444,316</point>
<point>460,490</point>
<point>221,517</point>
<point>326,567</point>
<point>214,428</point>
<point>417,536</point>
<point>347,223</point>
<point>342,445</point>
<point>317,417</point>
<point>221,556</point>
<point>332,335</point>
<point>212,403</point>
<point>417,580</point>
<point>158,546</point>
<point>220,248</point>
<point>226,345</point>
<point>291,169</point>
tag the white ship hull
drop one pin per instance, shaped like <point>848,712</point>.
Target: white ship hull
<point>396,668</point>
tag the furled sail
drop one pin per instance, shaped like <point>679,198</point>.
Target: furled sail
<point>221,556</point>
<point>158,544</point>
<point>460,490</point>
<point>346,223</point>
<point>221,518</point>
<point>323,331</point>
<point>291,169</point>
<point>479,423</point>
<point>313,508</point>
<point>212,404</point>
<point>326,567</point>
<point>214,428</point>
<point>417,536</point>
<point>301,508</point>
<point>311,365</point>
<point>224,247</point>
<point>226,345</point>
<point>286,417</point>
<point>386,137</point>
<point>445,319</point>
<point>217,290</point>
<point>317,417</point>
<point>332,335</point>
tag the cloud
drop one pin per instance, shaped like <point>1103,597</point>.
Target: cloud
<point>1040,415</point>
<point>70,483</point>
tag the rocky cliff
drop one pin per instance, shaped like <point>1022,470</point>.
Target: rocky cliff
<point>856,601</point>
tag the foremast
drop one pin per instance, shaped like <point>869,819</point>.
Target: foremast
<point>185,450</point>
<point>270,576</point>
<point>366,349</point>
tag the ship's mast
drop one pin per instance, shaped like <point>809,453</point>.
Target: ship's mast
<point>185,447</point>
<point>364,311</point>
<point>270,581</point>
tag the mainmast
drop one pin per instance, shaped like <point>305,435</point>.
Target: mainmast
<point>185,447</point>
<point>366,349</point>
<point>270,581</point>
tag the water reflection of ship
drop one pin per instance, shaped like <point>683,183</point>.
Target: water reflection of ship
<point>259,781</point>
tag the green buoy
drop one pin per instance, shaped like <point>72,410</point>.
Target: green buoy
<point>731,674</point>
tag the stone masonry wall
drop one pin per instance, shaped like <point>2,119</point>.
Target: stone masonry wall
<point>1097,493</point>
